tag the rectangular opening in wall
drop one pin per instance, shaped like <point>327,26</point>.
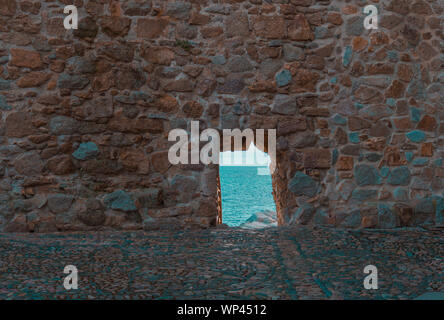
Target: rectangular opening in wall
<point>246,189</point>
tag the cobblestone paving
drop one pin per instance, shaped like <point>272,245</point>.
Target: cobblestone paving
<point>275,263</point>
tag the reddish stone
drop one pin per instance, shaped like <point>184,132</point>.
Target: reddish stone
<point>211,32</point>
<point>427,149</point>
<point>158,55</point>
<point>376,144</point>
<point>60,165</point>
<point>299,29</point>
<point>26,58</point>
<point>345,163</point>
<point>396,90</point>
<point>168,104</point>
<point>405,72</point>
<point>160,161</point>
<point>270,27</point>
<point>151,28</point>
<point>379,38</point>
<point>181,85</point>
<point>393,157</point>
<point>29,164</point>
<point>199,19</point>
<point>359,43</point>
<point>33,79</point>
<point>380,68</point>
<point>192,109</point>
<point>19,124</point>
<point>317,158</point>
<point>135,160</point>
<point>402,124</point>
<point>335,18</point>
<point>427,123</point>
<point>357,124</point>
<point>115,26</point>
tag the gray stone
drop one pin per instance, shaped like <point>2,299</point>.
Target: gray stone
<point>303,185</point>
<point>59,203</point>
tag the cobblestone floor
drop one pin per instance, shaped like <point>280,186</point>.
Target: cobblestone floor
<point>275,263</point>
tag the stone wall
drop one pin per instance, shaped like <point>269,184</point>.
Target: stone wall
<point>85,114</point>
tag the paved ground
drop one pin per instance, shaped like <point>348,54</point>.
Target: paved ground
<point>276,263</point>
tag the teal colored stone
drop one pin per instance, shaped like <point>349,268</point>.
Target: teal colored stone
<point>303,214</point>
<point>384,171</point>
<point>415,114</point>
<point>399,176</point>
<point>438,162</point>
<point>359,106</point>
<point>219,60</point>
<point>283,78</point>
<point>339,120</point>
<point>348,54</point>
<point>3,105</point>
<point>391,102</point>
<point>353,220</point>
<point>386,216</point>
<point>334,80</point>
<point>409,156</point>
<point>419,162</point>
<point>393,55</point>
<point>366,175</point>
<point>120,200</point>
<point>364,194</point>
<point>86,151</point>
<point>354,137</point>
<point>321,32</point>
<point>303,185</point>
<point>416,136</point>
<point>439,215</point>
<point>400,194</point>
<point>335,155</point>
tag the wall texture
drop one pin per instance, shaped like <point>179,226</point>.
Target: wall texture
<point>85,114</point>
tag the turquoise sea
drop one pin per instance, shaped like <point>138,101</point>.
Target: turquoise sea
<point>244,193</point>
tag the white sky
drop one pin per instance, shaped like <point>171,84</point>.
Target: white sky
<point>245,158</point>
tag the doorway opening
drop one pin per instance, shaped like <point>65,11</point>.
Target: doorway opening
<point>246,189</point>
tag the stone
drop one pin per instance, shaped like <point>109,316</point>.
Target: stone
<point>87,29</point>
<point>303,215</point>
<point>61,125</point>
<point>396,90</point>
<point>386,216</point>
<point>19,125</point>
<point>239,64</point>
<point>33,79</point>
<point>158,55</point>
<point>270,27</point>
<point>179,10</point>
<point>60,165</point>
<point>303,185</point>
<point>115,26</point>
<point>399,176</point>
<point>283,78</point>
<point>359,44</point>
<point>59,203</point>
<point>348,54</point>
<point>416,136</point>
<point>400,194</point>
<point>237,24</point>
<point>317,158</point>
<point>151,28</point>
<point>299,29</point>
<point>120,200</point>
<point>17,224</point>
<point>284,104</point>
<point>25,58</point>
<point>364,194</point>
<point>366,175</point>
<point>292,53</point>
<point>180,183</point>
<point>427,123</point>
<point>86,151</point>
<point>345,163</point>
<point>72,82</point>
<point>29,164</point>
